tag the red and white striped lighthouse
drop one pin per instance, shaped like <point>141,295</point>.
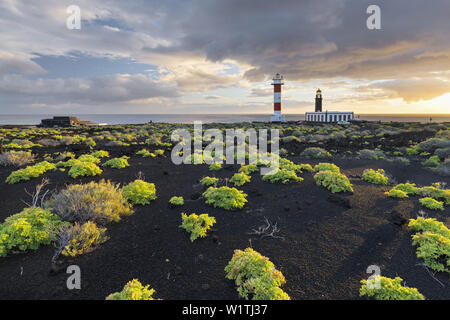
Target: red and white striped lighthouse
<point>277,83</point>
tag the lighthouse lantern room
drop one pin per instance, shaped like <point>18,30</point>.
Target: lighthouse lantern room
<point>277,83</point>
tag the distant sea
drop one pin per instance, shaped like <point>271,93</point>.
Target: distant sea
<point>112,119</point>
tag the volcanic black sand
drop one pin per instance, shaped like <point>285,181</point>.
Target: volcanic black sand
<point>324,246</point>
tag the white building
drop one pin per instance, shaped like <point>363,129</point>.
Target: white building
<point>327,116</point>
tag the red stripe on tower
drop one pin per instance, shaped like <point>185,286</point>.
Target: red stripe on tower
<point>277,83</point>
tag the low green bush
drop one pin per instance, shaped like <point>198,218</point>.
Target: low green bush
<point>333,181</point>
<point>383,288</point>
<point>176,201</point>
<point>215,166</point>
<point>80,239</point>
<point>255,276</point>
<point>323,166</point>
<point>118,163</point>
<point>225,197</point>
<point>197,225</point>
<point>100,154</point>
<point>397,193</point>
<point>433,161</point>
<point>248,169</point>
<point>432,239</point>
<point>83,169</point>
<point>238,179</point>
<point>209,181</point>
<point>432,204</point>
<point>28,229</point>
<point>283,176</point>
<point>139,192</point>
<point>133,290</point>
<point>375,177</point>
<point>409,188</point>
<point>145,153</point>
<point>29,172</point>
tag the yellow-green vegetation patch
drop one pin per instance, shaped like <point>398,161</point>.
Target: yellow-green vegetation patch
<point>325,166</point>
<point>209,181</point>
<point>225,197</point>
<point>100,202</point>
<point>118,163</point>
<point>197,225</point>
<point>100,154</point>
<point>239,179</point>
<point>432,204</point>
<point>133,290</point>
<point>255,276</point>
<point>215,166</point>
<point>29,172</point>
<point>80,239</point>
<point>176,201</point>
<point>282,175</point>
<point>333,181</point>
<point>145,153</point>
<point>84,168</point>
<point>140,192</point>
<point>28,229</point>
<point>248,169</point>
<point>375,177</point>
<point>397,193</point>
<point>432,239</point>
<point>383,288</point>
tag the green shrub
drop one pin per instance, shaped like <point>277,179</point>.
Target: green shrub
<point>382,288</point>
<point>215,166</point>
<point>433,161</point>
<point>283,176</point>
<point>209,181</point>
<point>433,242</point>
<point>197,225</point>
<point>80,239</point>
<point>133,290</point>
<point>225,197</point>
<point>432,204</point>
<point>409,188</point>
<point>376,177</point>
<point>145,153</point>
<point>28,229</point>
<point>327,166</point>
<point>305,166</point>
<point>100,154</point>
<point>238,179</point>
<point>255,276</point>
<point>435,193</point>
<point>397,193</point>
<point>29,172</point>
<point>88,158</point>
<point>333,181</point>
<point>118,163</point>
<point>176,201</point>
<point>99,202</point>
<point>139,192</point>
<point>248,169</point>
<point>84,168</point>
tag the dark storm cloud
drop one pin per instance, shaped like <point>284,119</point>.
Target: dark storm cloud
<point>318,39</point>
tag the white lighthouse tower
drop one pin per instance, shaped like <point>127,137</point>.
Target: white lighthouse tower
<point>277,83</point>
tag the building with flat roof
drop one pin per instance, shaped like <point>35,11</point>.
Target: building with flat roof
<point>328,116</point>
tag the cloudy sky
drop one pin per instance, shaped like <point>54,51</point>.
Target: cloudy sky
<point>218,56</point>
